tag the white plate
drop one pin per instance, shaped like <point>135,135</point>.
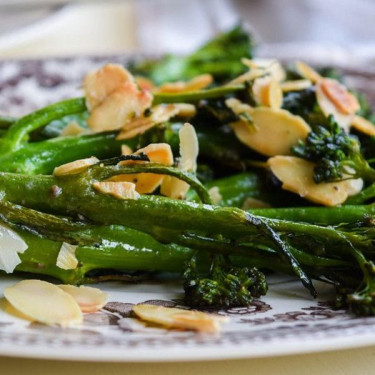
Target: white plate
<point>286,321</point>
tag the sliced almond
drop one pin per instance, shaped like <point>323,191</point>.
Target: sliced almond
<point>274,131</point>
<point>269,66</point>
<point>238,107</point>
<point>144,83</point>
<point>146,183</point>
<point>248,76</point>
<point>329,108</point>
<point>364,126</point>
<point>119,190</point>
<point>123,104</point>
<point>215,195</point>
<point>104,81</point>
<point>89,299</point>
<point>11,244</point>
<point>72,129</point>
<point>74,167</point>
<point>44,302</point>
<point>159,114</point>
<point>195,84</point>
<point>179,318</point>
<point>296,175</point>
<point>173,187</point>
<point>296,85</point>
<point>273,95</point>
<point>306,71</point>
<point>339,95</point>
<point>126,150</point>
<point>251,202</point>
<point>66,259</point>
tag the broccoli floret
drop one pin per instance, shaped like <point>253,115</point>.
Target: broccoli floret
<point>337,154</point>
<point>225,286</point>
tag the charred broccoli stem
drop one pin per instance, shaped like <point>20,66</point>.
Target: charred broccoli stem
<point>224,286</point>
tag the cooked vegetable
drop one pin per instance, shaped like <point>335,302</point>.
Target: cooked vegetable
<point>218,201</point>
<point>337,155</point>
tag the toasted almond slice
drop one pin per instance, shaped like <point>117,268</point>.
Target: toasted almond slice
<point>11,244</point>
<point>120,190</point>
<point>44,302</point>
<point>159,114</point>
<point>215,195</point>
<point>296,85</point>
<point>296,175</point>
<point>338,94</point>
<point>248,76</point>
<point>306,71</point>
<point>89,299</point>
<point>126,150</point>
<point>273,96</point>
<point>274,132</point>
<point>238,107</point>
<point>119,107</point>
<point>101,83</point>
<point>364,126</point>
<point>72,129</point>
<point>66,259</point>
<point>189,148</point>
<point>329,108</point>
<point>144,83</point>
<point>146,183</point>
<point>195,84</point>
<point>74,167</point>
<point>270,66</point>
<point>179,318</point>
<point>251,202</point>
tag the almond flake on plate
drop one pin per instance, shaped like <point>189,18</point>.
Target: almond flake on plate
<point>44,302</point>
<point>89,299</point>
<point>170,317</point>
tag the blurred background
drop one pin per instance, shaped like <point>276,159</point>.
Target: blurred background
<point>339,30</point>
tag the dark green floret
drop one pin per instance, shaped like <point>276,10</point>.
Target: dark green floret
<point>336,153</point>
<point>225,286</point>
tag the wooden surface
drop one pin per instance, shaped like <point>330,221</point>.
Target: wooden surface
<point>96,29</point>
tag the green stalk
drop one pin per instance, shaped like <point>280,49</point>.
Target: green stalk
<point>42,157</point>
<point>318,215</point>
<point>195,96</point>
<point>77,197</point>
<point>6,121</point>
<point>18,131</point>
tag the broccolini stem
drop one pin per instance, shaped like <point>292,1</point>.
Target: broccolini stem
<point>102,173</point>
<point>18,131</point>
<point>6,121</point>
<point>195,96</point>
<point>318,215</point>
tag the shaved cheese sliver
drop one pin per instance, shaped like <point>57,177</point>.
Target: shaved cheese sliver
<point>11,244</point>
<point>66,259</point>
